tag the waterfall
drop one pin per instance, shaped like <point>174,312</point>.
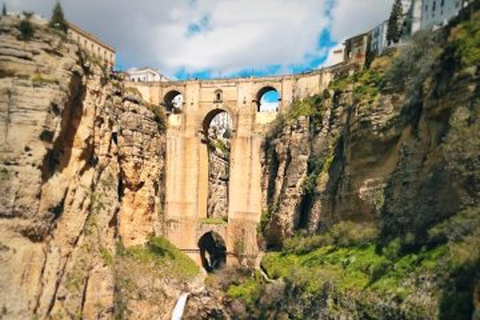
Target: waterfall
<point>177,313</point>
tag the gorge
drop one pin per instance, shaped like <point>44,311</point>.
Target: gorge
<point>358,199</point>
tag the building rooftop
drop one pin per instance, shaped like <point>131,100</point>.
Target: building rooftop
<point>87,34</point>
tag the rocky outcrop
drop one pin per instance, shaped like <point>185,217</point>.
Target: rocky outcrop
<point>286,166</point>
<point>81,169</point>
<point>218,173</point>
<point>218,178</point>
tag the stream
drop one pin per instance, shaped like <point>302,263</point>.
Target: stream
<point>177,313</point>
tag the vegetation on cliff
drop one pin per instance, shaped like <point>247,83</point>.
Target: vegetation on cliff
<point>141,270</point>
<point>413,258</point>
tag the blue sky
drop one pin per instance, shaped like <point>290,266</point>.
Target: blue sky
<point>220,38</point>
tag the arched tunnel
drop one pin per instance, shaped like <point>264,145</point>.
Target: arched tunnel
<point>213,251</point>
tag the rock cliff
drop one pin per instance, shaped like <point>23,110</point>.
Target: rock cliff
<point>81,162</point>
<point>374,146</point>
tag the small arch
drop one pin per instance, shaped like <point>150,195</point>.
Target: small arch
<point>218,95</point>
<point>213,251</point>
<point>173,101</point>
<point>268,99</point>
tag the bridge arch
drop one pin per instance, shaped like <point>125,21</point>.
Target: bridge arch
<point>173,101</point>
<point>207,119</point>
<point>213,251</point>
<point>268,99</point>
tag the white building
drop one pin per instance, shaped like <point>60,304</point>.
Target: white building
<point>378,35</point>
<point>378,41</point>
<point>431,14</point>
<point>437,13</point>
<point>92,45</point>
<point>145,75</point>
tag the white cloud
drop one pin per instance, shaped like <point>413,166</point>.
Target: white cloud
<point>352,17</point>
<point>238,35</point>
<point>244,34</point>
<point>335,55</point>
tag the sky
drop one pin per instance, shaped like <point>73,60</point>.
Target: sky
<point>220,38</point>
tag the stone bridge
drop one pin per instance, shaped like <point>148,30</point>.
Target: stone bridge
<point>187,154</point>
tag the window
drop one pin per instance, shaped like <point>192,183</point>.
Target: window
<point>434,5</point>
<point>442,3</point>
<point>218,95</point>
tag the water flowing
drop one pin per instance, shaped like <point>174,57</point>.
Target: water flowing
<point>177,313</point>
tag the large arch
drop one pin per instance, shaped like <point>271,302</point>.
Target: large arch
<point>217,129</point>
<point>213,251</point>
<point>264,92</point>
<point>207,119</point>
<point>170,102</point>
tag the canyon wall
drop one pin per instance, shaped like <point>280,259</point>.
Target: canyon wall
<point>378,147</point>
<point>81,162</point>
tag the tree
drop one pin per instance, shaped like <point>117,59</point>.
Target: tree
<point>4,9</point>
<point>26,27</point>
<point>58,19</point>
<point>394,30</point>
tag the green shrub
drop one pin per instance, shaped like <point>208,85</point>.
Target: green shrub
<point>348,233</point>
<point>38,79</point>
<point>343,234</point>
<point>303,245</point>
<point>106,256</point>
<point>414,63</point>
<point>457,227</point>
<point>160,118</point>
<point>248,291</point>
<point>465,40</point>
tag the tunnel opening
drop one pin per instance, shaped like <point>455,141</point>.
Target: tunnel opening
<point>173,102</point>
<point>268,100</point>
<point>213,251</point>
<point>218,133</point>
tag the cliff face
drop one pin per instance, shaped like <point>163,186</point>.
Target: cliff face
<point>81,162</point>
<point>370,155</point>
<point>377,176</point>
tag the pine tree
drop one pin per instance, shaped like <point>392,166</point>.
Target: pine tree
<point>4,9</point>
<point>394,23</point>
<point>26,27</point>
<point>58,19</point>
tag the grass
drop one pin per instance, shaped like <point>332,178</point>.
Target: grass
<point>214,221</point>
<point>366,85</point>
<point>167,259</point>
<point>38,79</point>
<point>354,272</point>
<point>249,291</point>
